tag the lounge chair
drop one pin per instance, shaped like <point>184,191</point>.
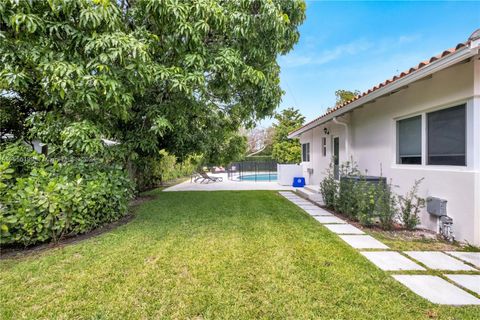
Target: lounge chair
<point>205,177</point>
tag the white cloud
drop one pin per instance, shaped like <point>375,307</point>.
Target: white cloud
<point>348,49</point>
<point>299,58</point>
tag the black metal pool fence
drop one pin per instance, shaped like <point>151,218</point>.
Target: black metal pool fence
<point>242,169</point>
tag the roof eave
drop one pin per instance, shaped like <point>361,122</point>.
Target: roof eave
<point>440,64</point>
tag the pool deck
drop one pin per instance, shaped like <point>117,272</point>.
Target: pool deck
<point>227,185</point>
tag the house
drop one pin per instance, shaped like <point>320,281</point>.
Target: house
<point>422,123</point>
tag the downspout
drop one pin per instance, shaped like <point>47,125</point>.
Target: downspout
<point>347,139</point>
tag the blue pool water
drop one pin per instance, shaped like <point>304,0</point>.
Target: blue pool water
<point>259,177</point>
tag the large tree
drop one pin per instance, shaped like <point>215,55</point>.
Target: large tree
<point>287,150</point>
<point>343,96</point>
<point>150,74</point>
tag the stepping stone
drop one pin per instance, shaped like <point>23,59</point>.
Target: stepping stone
<point>363,242</point>
<point>391,261</point>
<point>303,203</point>
<point>303,206</point>
<point>438,261</point>
<point>437,290</point>
<point>318,212</point>
<point>343,229</point>
<point>471,257</point>
<point>469,281</point>
<point>328,219</point>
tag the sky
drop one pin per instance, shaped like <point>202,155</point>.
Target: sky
<point>356,45</point>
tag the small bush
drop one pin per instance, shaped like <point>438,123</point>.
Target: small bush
<point>410,206</point>
<point>358,199</point>
<point>385,206</point>
<point>346,202</point>
<point>365,197</point>
<point>329,188</point>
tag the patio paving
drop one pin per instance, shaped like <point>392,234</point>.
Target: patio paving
<point>227,185</point>
<point>438,261</point>
<point>363,242</point>
<point>391,261</point>
<point>470,257</point>
<point>329,219</point>
<point>343,229</point>
<point>437,290</point>
<point>469,281</point>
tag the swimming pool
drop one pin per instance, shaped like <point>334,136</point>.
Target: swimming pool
<point>259,177</point>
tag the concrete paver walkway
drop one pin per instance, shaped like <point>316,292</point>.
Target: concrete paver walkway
<point>439,261</point>
<point>433,288</point>
<point>469,281</point>
<point>329,219</point>
<point>470,257</point>
<point>343,229</point>
<point>437,290</point>
<point>363,242</point>
<point>391,261</point>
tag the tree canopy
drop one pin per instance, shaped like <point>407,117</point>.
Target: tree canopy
<point>150,74</point>
<point>343,96</point>
<point>287,150</point>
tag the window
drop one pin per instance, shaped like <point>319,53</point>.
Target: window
<point>306,152</point>
<point>447,137</point>
<point>409,144</point>
<point>324,146</point>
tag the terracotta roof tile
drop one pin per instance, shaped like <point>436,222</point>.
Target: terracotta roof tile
<point>389,81</point>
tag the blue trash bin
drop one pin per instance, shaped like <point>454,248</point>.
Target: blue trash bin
<point>298,182</point>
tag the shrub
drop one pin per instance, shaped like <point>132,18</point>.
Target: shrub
<point>385,206</point>
<point>410,205</point>
<point>329,188</point>
<point>365,197</point>
<point>358,199</point>
<point>60,199</point>
<point>346,201</point>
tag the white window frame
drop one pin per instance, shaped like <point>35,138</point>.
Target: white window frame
<point>324,146</point>
<point>306,154</point>
<point>468,161</point>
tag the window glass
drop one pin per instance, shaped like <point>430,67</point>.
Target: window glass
<point>306,152</point>
<point>446,136</point>
<point>409,133</point>
<point>324,146</point>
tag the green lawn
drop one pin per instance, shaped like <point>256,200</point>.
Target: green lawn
<point>210,255</point>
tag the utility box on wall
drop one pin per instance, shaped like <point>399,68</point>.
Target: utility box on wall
<point>437,206</point>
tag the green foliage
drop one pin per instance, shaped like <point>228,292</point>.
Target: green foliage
<point>410,206</point>
<point>346,200</point>
<point>343,96</point>
<point>155,171</point>
<point>179,76</point>
<point>329,188</point>
<point>60,199</point>
<point>287,150</point>
<point>81,138</point>
<point>175,75</point>
<point>386,205</point>
<point>359,199</point>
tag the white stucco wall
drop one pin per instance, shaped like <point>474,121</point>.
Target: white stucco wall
<point>373,145</point>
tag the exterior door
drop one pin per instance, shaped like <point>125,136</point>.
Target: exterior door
<point>336,157</point>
